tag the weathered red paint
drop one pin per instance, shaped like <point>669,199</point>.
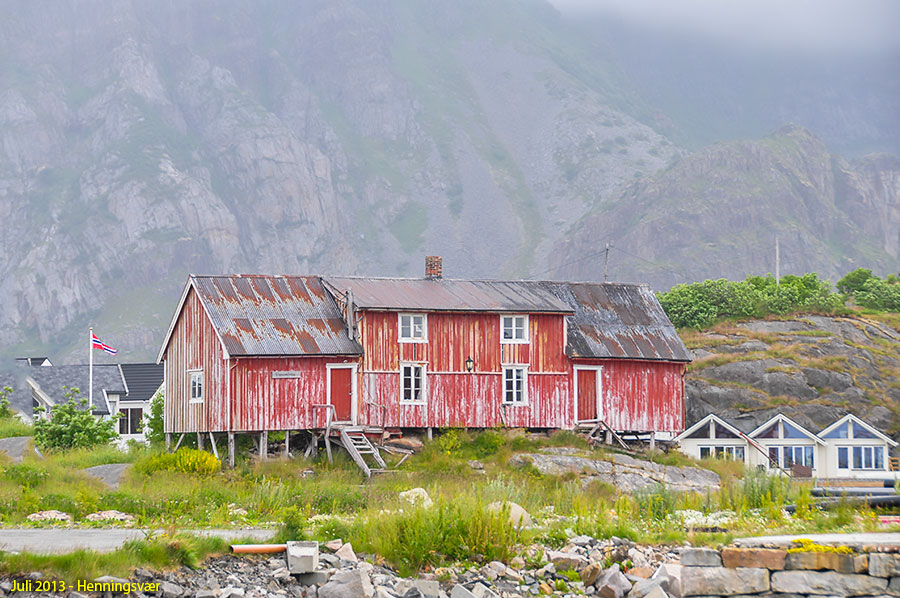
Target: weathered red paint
<point>640,396</point>
<point>587,394</point>
<point>254,393</point>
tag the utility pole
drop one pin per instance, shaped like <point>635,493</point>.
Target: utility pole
<point>777,264</point>
<point>606,265</point>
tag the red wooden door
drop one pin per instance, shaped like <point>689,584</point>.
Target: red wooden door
<point>587,395</point>
<point>342,393</point>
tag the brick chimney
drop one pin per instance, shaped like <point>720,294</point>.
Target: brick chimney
<point>433,267</point>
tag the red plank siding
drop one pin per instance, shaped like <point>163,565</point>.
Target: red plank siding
<point>641,396</point>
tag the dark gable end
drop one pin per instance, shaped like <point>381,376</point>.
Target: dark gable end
<point>615,320</point>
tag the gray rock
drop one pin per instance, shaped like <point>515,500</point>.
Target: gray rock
<point>232,592</point>
<point>111,475</point>
<point>461,592</point>
<point>205,594</point>
<point>567,560</point>
<point>168,589</point>
<point>669,576</point>
<point>348,584</point>
<point>884,565</point>
<point>643,588</point>
<point>719,581</point>
<point>428,588</point>
<point>700,557</point>
<point>828,583</point>
<point>316,578</point>
<point>612,583</point>
<point>479,590</point>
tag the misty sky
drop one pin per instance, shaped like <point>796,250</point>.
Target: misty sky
<point>811,25</point>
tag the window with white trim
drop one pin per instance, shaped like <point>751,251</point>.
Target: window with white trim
<point>413,328</point>
<point>513,329</point>
<point>515,382</point>
<point>412,383</point>
<point>130,420</point>
<point>868,457</point>
<point>843,453</point>
<point>195,386</point>
<point>722,452</point>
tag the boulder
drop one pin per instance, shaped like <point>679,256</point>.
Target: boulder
<point>591,573</point>
<point>517,515</point>
<point>345,553</point>
<point>567,560</point>
<point>348,584</point>
<point>168,589</point>
<point>418,497</point>
<point>612,583</point>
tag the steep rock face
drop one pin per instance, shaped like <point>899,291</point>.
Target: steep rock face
<point>813,369</point>
<point>716,213</point>
<point>141,142</point>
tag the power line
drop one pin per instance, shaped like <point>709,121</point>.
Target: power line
<point>569,263</point>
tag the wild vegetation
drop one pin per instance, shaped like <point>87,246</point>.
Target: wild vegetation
<point>323,501</point>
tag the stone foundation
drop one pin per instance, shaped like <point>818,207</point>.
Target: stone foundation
<point>810,571</point>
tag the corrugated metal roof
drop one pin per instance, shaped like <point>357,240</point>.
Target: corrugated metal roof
<point>423,294</point>
<point>617,320</point>
<point>274,315</point>
<point>142,380</point>
<point>51,381</point>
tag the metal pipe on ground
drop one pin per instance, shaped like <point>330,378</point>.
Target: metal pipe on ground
<point>258,548</point>
<point>872,501</point>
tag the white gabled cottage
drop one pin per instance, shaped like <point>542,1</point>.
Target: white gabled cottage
<point>713,437</point>
<point>856,450</point>
<point>787,445</point>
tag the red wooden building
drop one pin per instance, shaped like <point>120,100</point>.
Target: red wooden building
<point>265,353</point>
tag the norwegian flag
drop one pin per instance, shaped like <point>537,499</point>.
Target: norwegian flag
<point>96,343</point>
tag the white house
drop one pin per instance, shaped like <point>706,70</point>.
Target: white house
<point>847,449</point>
<point>713,437</point>
<point>787,444</point>
<point>856,450</point>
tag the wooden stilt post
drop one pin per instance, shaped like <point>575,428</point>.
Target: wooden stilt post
<point>231,450</point>
<point>652,441</point>
<point>430,433</point>
<point>313,445</point>
<point>264,445</point>
<point>199,441</point>
<point>177,444</point>
<point>168,442</point>
<point>212,442</point>
<point>287,444</point>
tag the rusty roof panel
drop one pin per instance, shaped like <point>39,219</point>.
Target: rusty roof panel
<point>423,294</point>
<point>619,321</point>
<point>274,315</point>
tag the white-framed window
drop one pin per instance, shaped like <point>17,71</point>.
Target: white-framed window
<point>195,386</point>
<point>843,454</point>
<point>722,452</point>
<point>513,329</point>
<point>413,328</point>
<point>515,385</point>
<point>412,383</point>
<point>868,457</point>
<point>130,420</point>
<point>798,455</point>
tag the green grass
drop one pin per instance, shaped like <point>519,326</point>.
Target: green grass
<point>160,552</point>
<point>13,426</point>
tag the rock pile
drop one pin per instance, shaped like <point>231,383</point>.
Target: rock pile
<point>584,566</point>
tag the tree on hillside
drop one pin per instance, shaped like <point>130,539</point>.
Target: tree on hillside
<point>853,282</point>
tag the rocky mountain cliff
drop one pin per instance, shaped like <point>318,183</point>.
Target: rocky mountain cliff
<point>813,369</point>
<point>142,141</point>
<point>716,213</point>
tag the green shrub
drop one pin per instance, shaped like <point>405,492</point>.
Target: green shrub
<point>25,475</point>
<point>853,282</point>
<point>155,434</point>
<point>449,441</point>
<point>71,425</point>
<point>488,443</point>
<point>6,411</point>
<point>185,460</point>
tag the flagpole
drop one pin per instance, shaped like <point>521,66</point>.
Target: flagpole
<point>91,369</point>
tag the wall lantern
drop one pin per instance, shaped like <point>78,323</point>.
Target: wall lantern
<point>470,363</point>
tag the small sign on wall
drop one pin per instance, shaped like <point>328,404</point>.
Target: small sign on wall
<point>286,375</point>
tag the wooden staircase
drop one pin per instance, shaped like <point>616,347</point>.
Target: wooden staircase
<point>358,445</point>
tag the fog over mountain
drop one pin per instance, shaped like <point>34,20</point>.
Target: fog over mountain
<point>143,141</point>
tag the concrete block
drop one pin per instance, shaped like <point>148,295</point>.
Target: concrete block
<point>302,557</point>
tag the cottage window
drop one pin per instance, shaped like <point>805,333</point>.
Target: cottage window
<point>843,457</point>
<point>513,329</point>
<point>130,420</point>
<point>868,457</point>
<point>195,383</point>
<point>515,379</point>
<point>413,328</point>
<point>798,455</point>
<point>412,383</point>
<point>723,452</point>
